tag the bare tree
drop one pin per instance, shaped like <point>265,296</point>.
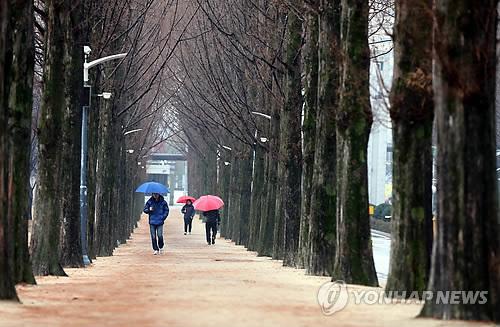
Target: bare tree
<point>322,230</point>
<point>354,258</point>
<point>7,289</point>
<point>412,119</point>
<point>466,250</point>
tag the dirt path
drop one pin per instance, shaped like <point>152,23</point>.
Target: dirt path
<point>192,284</point>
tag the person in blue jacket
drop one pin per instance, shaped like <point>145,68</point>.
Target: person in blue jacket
<point>157,209</point>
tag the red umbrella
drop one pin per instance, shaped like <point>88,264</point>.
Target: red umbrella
<point>184,198</point>
<point>208,202</point>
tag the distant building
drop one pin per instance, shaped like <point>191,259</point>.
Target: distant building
<point>169,167</point>
<point>380,143</point>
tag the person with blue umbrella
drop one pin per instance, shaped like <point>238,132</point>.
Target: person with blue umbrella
<point>157,209</point>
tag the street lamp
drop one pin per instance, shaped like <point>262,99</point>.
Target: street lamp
<point>261,114</point>
<point>105,95</point>
<point>132,131</point>
<point>84,151</point>
<point>88,65</point>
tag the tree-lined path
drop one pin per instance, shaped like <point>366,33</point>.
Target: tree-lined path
<point>192,284</point>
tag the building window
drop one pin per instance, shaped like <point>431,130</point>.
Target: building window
<point>388,156</point>
<point>380,65</point>
<point>388,164</point>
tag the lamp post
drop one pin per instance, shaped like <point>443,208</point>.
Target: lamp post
<point>84,150</point>
<point>105,95</point>
<point>261,114</point>
<point>132,131</point>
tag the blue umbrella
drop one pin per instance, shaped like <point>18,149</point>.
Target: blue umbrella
<point>153,187</point>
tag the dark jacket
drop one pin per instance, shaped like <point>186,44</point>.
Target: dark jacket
<point>188,211</point>
<point>212,216</point>
<point>160,210</point>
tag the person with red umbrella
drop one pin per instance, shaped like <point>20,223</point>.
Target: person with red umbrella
<point>188,211</point>
<point>210,205</point>
<point>212,222</point>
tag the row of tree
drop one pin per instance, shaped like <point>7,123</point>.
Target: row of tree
<point>273,99</point>
<point>42,53</point>
<point>275,105</point>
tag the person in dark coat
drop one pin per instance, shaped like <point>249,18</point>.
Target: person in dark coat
<point>188,211</point>
<point>212,221</point>
<point>157,209</point>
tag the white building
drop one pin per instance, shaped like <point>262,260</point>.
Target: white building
<point>169,169</point>
<point>380,143</point>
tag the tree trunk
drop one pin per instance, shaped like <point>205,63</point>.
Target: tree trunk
<point>292,139</point>
<point>47,218</point>
<point>193,178</point>
<point>71,250</point>
<point>93,146</point>
<point>234,197</point>
<point>309,126</point>
<point>104,183</point>
<point>278,86</point>
<point>354,259</point>
<point>278,237</point>
<point>118,214</point>
<point>20,114</point>
<point>245,197</point>
<point>466,252</point>
<point>258,184</point>
<point>224,184</point>
<point>268,216</point>
<point>322,237</point>
<point>412,119</point>
<point>7,289</point>
<point>211,170</point>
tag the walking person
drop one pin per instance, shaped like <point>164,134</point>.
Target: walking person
<point>188,211</point>
<point>157,209</point>
<point>212,221</point>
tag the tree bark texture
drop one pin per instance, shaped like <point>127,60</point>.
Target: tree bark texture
<point>20,103</point>
<point>412,119</point>
<point>71,250</point>
<point>258,184</point>
<point>466,252</point>
<point>47,216</point>
<point>292,140</point>
<point>7,289</point>
<point>322,233</point>
<point>245,196</point>
<point>268,216</point>
<point>234,197</point>
<point>354,259</point>
<point>310,66</point>
<point>104,183</point>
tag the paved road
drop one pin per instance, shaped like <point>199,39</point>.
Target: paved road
<point>381,254</point>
